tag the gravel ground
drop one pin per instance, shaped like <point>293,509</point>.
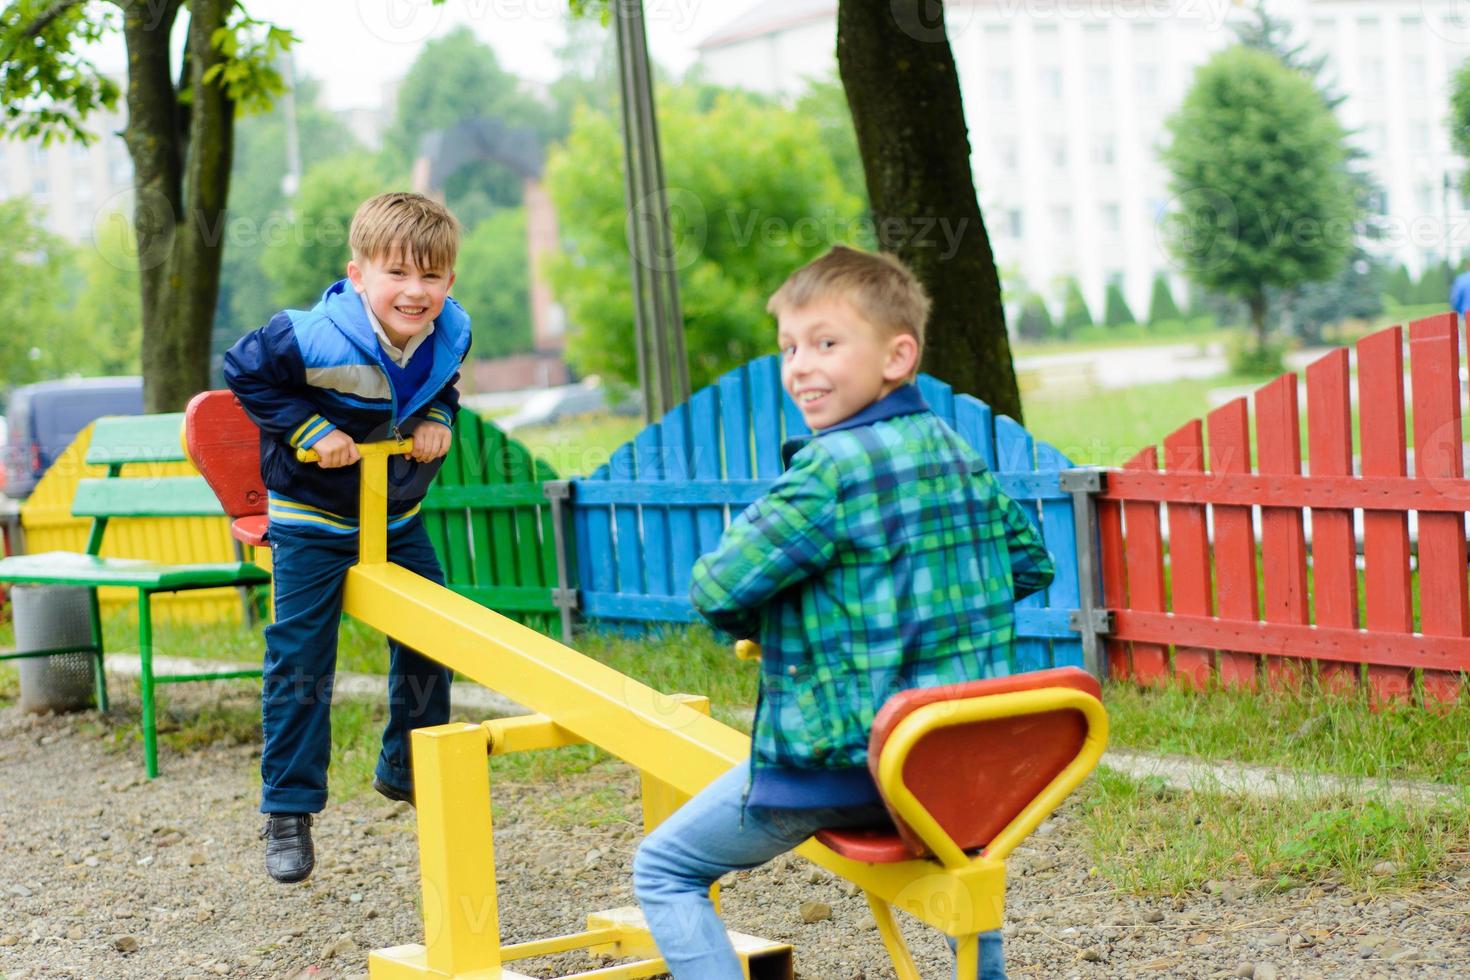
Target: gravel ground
<point>104,874</point>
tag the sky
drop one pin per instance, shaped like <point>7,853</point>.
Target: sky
<point>354,46</point>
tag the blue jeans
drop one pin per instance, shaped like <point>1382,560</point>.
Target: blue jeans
<point>707,838</point>
<point>309,568</point>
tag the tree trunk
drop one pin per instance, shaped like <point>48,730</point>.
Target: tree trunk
<point>1256,303</point>
<point>899,74</point>
<point>181,175</point>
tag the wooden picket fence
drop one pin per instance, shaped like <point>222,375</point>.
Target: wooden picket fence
<point>1400,625</point>
<point>491,524</point>
<point>665,497</point>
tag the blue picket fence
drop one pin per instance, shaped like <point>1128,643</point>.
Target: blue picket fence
<point>664,499</point>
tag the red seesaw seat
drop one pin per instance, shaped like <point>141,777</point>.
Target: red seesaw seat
<point>224,445</point>
<point>967,771</point>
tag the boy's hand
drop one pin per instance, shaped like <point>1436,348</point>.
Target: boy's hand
<point>430,441</point>
<point>336,448</point>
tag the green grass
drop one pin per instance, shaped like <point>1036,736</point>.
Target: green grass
<point>1106,428</point>
<point>1149,839</point>
<point>577,446</point>
<point>1305,729</point>
<point>1149,339</point>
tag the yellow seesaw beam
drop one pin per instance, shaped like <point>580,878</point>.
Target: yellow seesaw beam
<point>658,734</point>
<point>651,731</point>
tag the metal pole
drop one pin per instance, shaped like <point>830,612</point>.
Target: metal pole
<point>663,370</point>
<point>1092,620</point>
<point>631,169</point>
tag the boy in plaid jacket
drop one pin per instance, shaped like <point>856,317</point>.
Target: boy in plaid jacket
<point>884,558</point>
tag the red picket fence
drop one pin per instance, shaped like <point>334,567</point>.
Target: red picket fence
<point>1277,602</point>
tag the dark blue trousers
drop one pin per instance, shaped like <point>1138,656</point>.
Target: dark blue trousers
<point>310,568</point>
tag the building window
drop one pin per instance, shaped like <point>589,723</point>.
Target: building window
<point>1112,219</point>
<point>1051,83</point>
<point>1005,152</point>
<point>1424,198</point>
<point>1416,78</point>
<point>1099,81</point>
<point>1057,150</point>
<point>1013,223</point>
<point>1001,88</point>
<point>1147,80</point>
<point>1061,219</point>
<point>1103,152</point>
<point>1371,68</point>
<point>39,155</point>
<point>1420,136</point>
<point>40,185</point>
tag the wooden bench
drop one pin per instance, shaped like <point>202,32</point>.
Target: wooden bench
<point>117,442</point>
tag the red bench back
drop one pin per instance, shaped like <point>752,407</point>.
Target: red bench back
<point>224,445</point>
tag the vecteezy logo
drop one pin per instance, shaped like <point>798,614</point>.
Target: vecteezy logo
<point>129,218</point>
<point>687,222</point>
<point>1199,228</point>
<point>927,20</point>
<point>400,21</point>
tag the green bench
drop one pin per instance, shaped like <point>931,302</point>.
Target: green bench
<point>116,442</point>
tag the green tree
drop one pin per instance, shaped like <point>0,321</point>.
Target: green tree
<point>1161,305</point>
<point>1398,285</point>
<point>259,211</point>
<point>179,135</point>
<point>1434,282</point>
<point>1075,314</point>
<point>752,197</point>
<point>825,104</point>
<point>108,303</point>
<point>44,341</point>
<point>1309,305</point>
<point>1356,293</point>
<point>1256,164</point>
<point>1115,307</point>
<point>898,71</point>
<point>310,252</point>
<point>1460,118</point>
<point>1035,322</point>
<point>494,284</point>
<point>456,78</point>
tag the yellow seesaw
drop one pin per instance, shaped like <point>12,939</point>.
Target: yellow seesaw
<point>1027,741</point>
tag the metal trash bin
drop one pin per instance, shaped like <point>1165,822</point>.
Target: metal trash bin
<point>46,617</point>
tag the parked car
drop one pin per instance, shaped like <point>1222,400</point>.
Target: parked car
<point>45,417</point>
<point>554,404</point>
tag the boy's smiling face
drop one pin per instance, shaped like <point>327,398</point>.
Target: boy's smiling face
<point>404,298</point>
<point>835,363</point>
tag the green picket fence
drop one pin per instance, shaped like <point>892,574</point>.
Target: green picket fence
<point>491,524</point>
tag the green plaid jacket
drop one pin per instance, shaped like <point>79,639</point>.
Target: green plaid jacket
<point>885,557</point>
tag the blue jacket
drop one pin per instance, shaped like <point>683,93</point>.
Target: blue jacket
<point>306,373</point>
<point>1460,293</point>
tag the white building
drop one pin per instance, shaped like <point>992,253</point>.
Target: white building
<point>71,185</point>
<point>1066,100</point>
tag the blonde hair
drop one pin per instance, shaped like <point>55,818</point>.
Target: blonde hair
<point>420,228</point>
<point>883,290</point>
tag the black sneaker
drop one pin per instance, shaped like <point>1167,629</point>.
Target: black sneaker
<point>393,792</point>
<point>289,855</point>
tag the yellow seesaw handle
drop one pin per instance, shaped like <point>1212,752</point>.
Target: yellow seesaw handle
<point>747,650</point>
<point>391,447</point>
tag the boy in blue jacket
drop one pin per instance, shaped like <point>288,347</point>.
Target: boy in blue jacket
<point>884,558</point>
<point>377,358</point>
